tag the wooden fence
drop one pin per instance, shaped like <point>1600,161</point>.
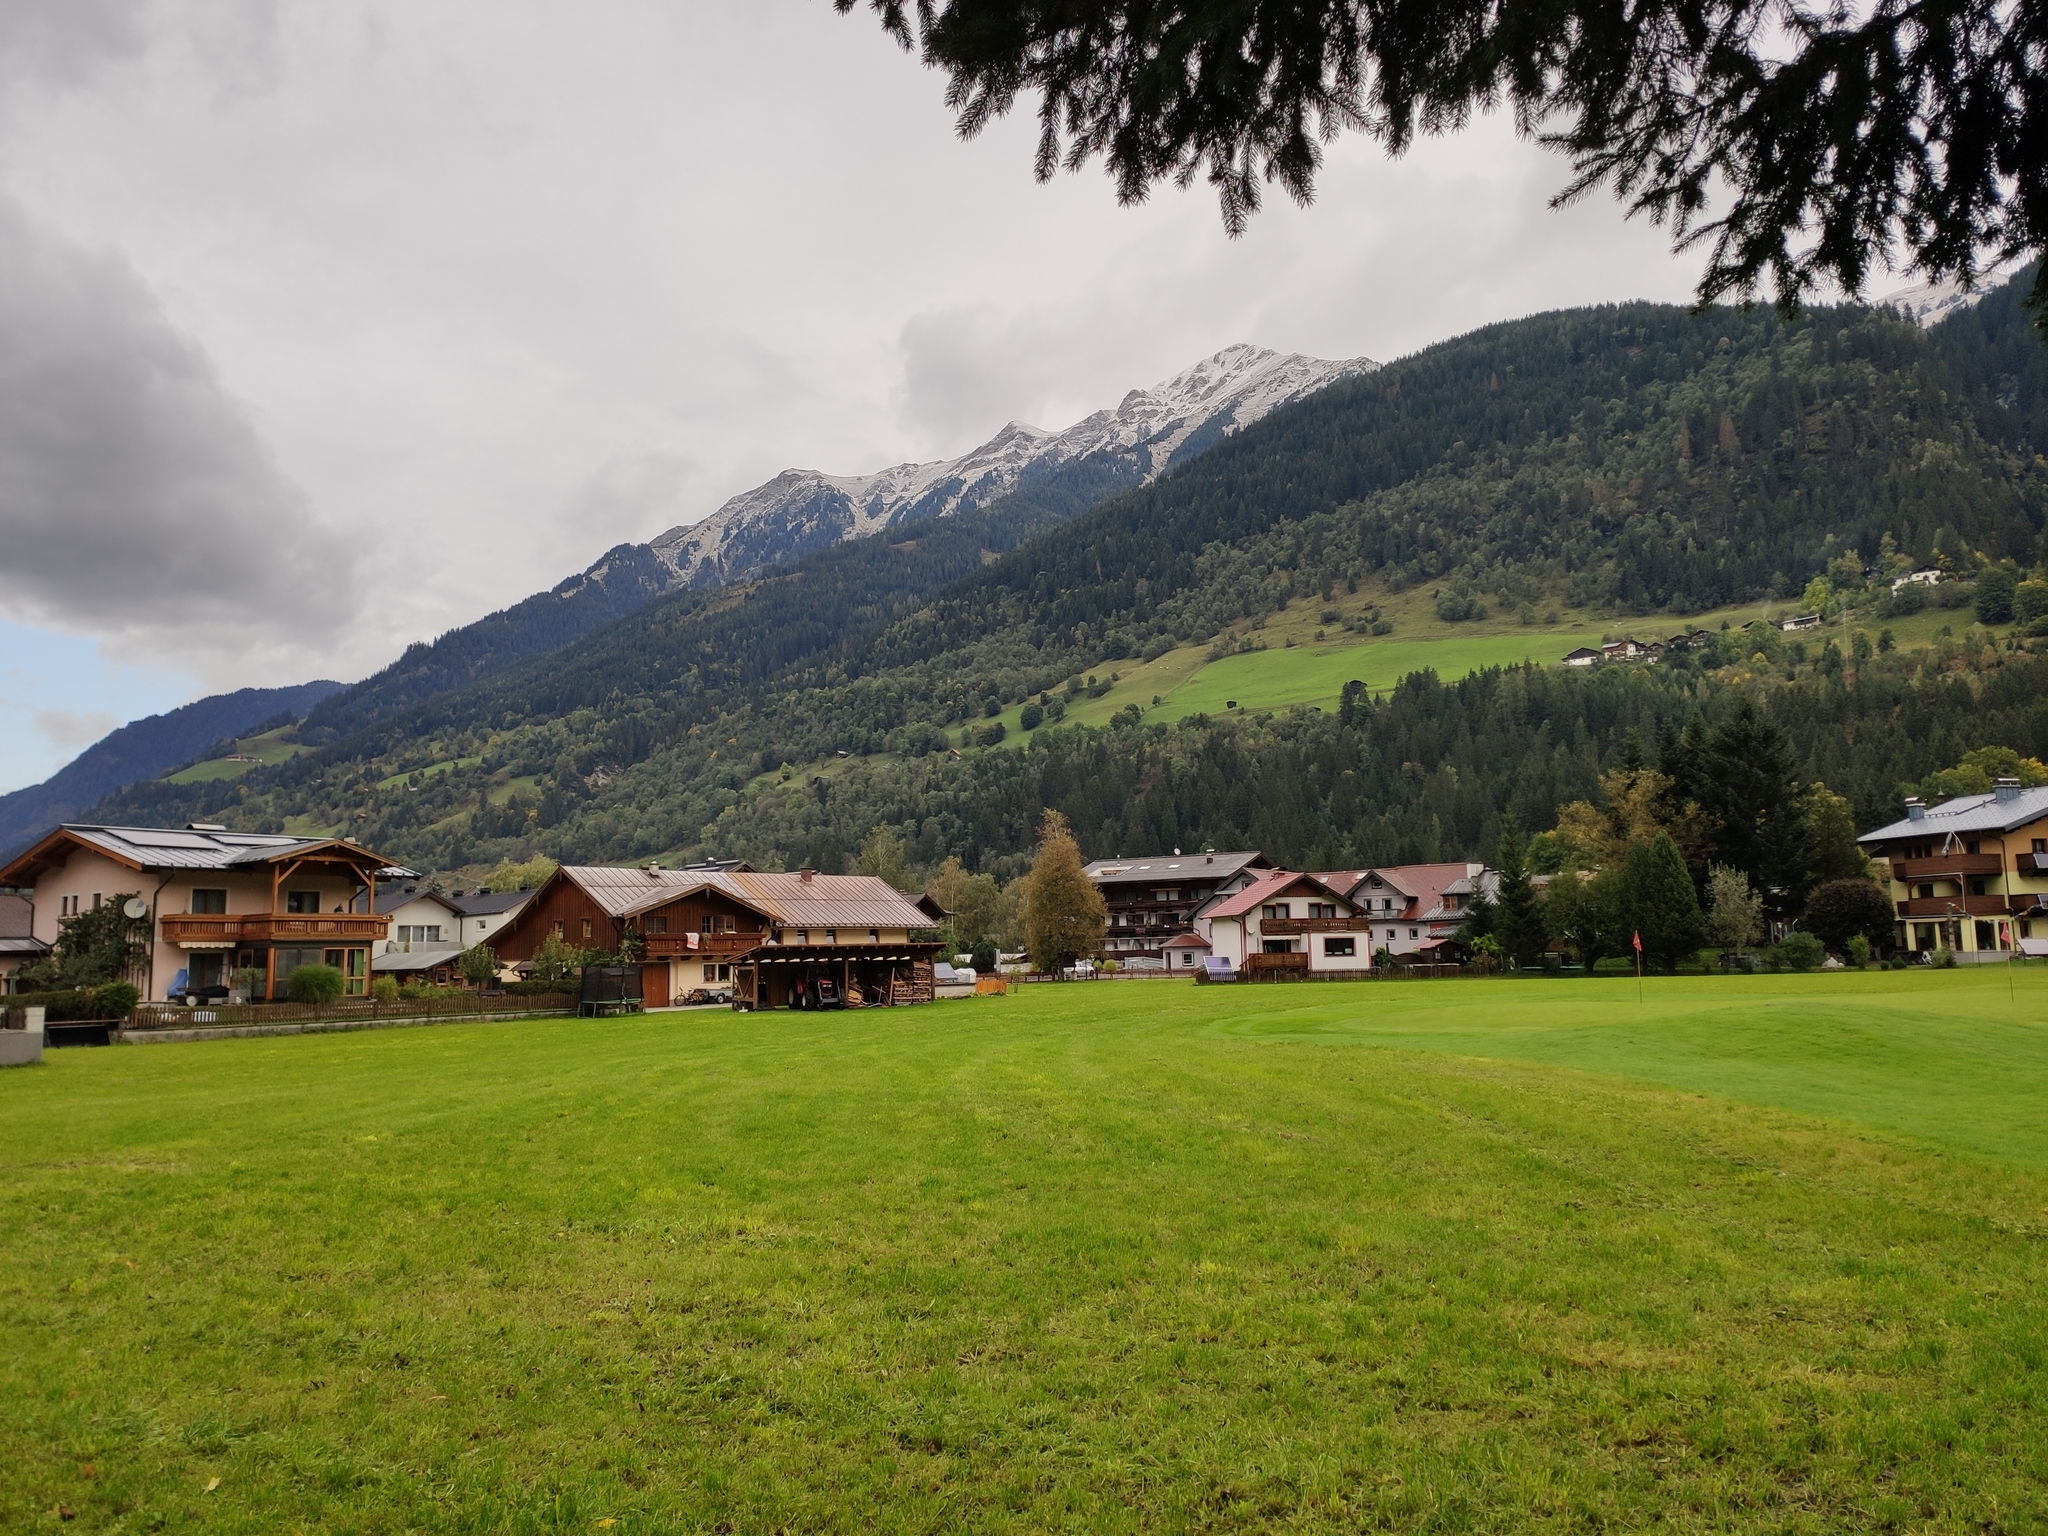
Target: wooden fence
<point>158,1016</point>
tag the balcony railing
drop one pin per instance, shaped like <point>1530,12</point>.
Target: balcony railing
<point>1924,907</point>
<point>1947,867</point>
<point>677,946</point>
<point>272,928</point>
<point>1280,927</point>
<point>1296,961</point>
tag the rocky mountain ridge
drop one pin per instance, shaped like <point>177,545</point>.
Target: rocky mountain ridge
<point>1150,429</point>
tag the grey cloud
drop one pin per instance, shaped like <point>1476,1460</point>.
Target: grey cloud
<point>69,728</point>
<point>136,501</point>
<point>65,42</point>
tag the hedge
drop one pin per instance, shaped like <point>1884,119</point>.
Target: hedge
<point>110,1000</point>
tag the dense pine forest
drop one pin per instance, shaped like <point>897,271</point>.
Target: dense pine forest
<point>1633,460</point>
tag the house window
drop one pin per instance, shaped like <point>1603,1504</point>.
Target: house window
<point>481,925</point>
<point>586,928</point>
<point>711,973</point>
<point>1335,948</point>
<point>356,974</point>
<point>657,925</point>
<point>874,935</point>
<point>1390,933</point>
<point>307,902</point>
<point>419,933</point>
<point>709,924</point>
<point>831,935</point>
<point>803,935</point>
<point>1414,933</point>
<point>1969,847</point>
<point>1279,946</point>
<point>2041,845</point>
<point>1166,895</point>
<point>558,931</point>
<point>1274,909</point>
<point>209,903</point>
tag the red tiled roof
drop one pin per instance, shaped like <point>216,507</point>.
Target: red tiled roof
<point>1266,888</point>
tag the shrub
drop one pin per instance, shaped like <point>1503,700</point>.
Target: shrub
<point>385,989</point>
<point>2030,601</point>
<point>1858,950</point>
<point>1802,951</point>
<point>1839,910</point>
<point>115,1000</point>
<point>317,985</point>
<point>1944,959</point>
<point>984,957</point>
<point>1031,718</point>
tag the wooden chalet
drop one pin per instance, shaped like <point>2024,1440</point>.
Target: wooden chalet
<point>769,938</point>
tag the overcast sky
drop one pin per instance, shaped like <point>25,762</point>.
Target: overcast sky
<point>327,326</point>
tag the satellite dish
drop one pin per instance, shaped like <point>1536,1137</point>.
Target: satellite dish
<point>135,907</point>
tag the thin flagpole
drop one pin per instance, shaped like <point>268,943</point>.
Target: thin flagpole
<point>1639,967</point>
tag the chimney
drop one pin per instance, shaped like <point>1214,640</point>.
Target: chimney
<point>2005,789</point>
<point>1915,810</point>
<point>651,868</point>
<point>805,875</point>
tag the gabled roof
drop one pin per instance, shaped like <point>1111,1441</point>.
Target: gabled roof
<point>1994,811</point>
<point>1174,866</point>
<point>16,917</point>
<point>1269,887</point>
<point>1186,941</point>
<point>167,848</point>
<point>391,897</point>
<point>488,903</point>
<point>787,900</point>
<point>1425,885</point>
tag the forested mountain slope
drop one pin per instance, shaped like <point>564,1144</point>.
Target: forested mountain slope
<point>1635,458</point>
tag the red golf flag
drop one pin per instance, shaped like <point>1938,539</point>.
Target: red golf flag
<point>1639,941</point>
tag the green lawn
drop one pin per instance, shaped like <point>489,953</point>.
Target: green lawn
<point>1759,1253</point>
<point>268,749</point>
<point>1317,672</point>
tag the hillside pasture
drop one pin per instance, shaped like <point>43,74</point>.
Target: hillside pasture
<point>1758,1253</point>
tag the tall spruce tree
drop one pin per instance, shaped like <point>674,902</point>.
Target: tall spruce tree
<point>1663,903</point>
<point>1518,917</point>
<point>1747,786</point>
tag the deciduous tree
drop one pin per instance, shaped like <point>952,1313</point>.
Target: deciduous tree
<point>1064,914</point>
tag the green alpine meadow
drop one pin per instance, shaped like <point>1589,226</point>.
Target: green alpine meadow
<point>1729,1253</point>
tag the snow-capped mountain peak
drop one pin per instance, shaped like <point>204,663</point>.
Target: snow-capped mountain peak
<point>805,509</point>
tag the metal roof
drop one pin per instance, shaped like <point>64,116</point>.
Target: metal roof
<point>178,848</point>
<point>22,944</point>
<point>16,917</point>
<point>1995,811</point>
<point>787,900</point>
<point>421,957</point>
<point>1173,866</point>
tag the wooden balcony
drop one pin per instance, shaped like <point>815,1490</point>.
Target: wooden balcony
<point>1283,927</point>
<point>1940,907</point>
<point>274,928</point>
<point>677,946</point>
<point>1954,866</point>
<point>1277,965</point>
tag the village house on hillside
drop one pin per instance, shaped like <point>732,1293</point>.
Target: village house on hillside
<point>1159,899</point>
<point>771,938</point>
<point>1970,874</point>
<point>214,903</point>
